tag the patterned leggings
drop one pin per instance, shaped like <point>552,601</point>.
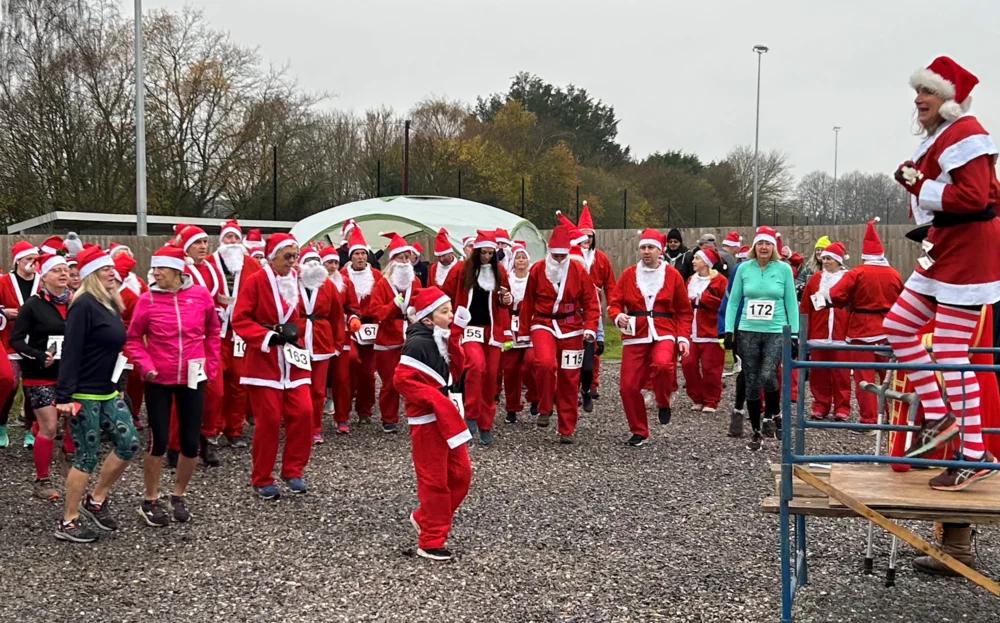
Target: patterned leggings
<point>761,354</point>
<point>110,416</point>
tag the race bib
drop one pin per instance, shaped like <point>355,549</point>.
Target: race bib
<point>474,334</point>
<point>459,402</point>
<point>298,357</point>
<point>629,327</point>
<point>55,346</point>
<point>239,347</point>
<point>119,368</point>
<point>196,372</point>
<point>368,332</point>
<point>818,301</point>
<point>571,360</point>
<point>760,310</point>
<point>515,324</point>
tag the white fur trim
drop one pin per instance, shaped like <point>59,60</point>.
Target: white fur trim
<point>310,255</point>
<point>25,253</point>
<point>825,253</point>
<point>440,253</point>
<point>651,242</point>
<point>163,261</point>
<point>427,311</point>
<point>485,244</point>
<point>951,110</point>
<point>704,257</point>
<point>935,82</point>
<point>51,263</point>
<point>279,246</point>
<point>965,150</point>
<point>396,252</point>
<point>558,251</point>
<point>766,237</point>
<point>228,230</point>
<point>955,294</point>
<point>93,265</point>
<point>459,439</point>
<point>931,195</point>
<point>187,244</point>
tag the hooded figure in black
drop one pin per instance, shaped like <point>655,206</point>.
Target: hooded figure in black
<point>675,248</point>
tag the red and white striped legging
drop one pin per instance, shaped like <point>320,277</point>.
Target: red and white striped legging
<point>953,329</point>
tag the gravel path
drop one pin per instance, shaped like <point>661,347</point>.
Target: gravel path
<point>593,532</point>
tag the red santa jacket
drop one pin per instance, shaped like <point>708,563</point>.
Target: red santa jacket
<point>345,294</point>
<point>499,314</point>
<point>601,272</point>
<point>226,297</point>
<point>321,320</point>
<point>564,310</point>
<point>10,298</point>
<point>517,289</point>
<point>424,378</point>
<point>830,323</point>
<point>389,314</point>
<point>669,306</point>
<point>206,275</point>
<point>129,299</point>
<point>437,271</point>
<point>868,292</point>
<point>259,308</point>
<point>706,298</point>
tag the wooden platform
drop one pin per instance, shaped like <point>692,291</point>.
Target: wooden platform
<point>898,495</point>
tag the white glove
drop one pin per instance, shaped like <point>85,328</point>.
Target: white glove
<point>462,317</point>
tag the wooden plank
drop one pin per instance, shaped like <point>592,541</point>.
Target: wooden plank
<point>898,531</point>
<point>880,487</point>
<point>820,507</point>
<point>799,488</point>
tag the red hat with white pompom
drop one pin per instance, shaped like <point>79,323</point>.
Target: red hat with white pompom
<point>230,227</point>
<point>837,251</point>
<point>952,82</point>
<point>650,236</point>
<point>709,256</point>
<point>871,247</point>
<point>425,301</point>
<point>442,246</point>
<point>397,244</point>
<point>733,239</point>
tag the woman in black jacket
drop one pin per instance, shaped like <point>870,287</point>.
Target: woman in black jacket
<point>37,336</point>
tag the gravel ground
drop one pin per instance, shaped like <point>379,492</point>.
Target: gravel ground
<point>597,531</point>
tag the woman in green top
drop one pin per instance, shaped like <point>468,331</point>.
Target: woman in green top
<point>764,289</point>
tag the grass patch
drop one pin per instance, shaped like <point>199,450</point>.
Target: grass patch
<point>613,345</point>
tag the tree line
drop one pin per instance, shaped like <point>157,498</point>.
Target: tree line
<point>217,115</point>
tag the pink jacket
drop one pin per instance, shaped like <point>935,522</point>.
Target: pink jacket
<point>168,329</point>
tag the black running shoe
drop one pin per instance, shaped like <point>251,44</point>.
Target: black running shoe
<point>543,420</point>
<point>98,513</point>
<point>438,553</point>
<point>75,531</point>
<point>664,415</point>
<point>181,513</point>
<point>588,402</point>
<point>153,514</point>
<point>777,427</point>
<point>596,395</point>
<point>207,453</point>
<point>511,417</point>
<point>637,440</point>
<point>237,442</point>
<point>767,428</point>
<point>534,408</point>
<point>389,427</point>
<point>755,442</point>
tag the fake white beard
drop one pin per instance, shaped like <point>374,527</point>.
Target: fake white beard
<point>517,285</point>
<point>650,280</point>
<point>132,283</point>
<point>696,286</point>
<point>555,271</point>
<point>312,275</point>
<point>588,257</point>
<point>232,257</point>
<point>441,337</point>
<point>288,288</point>
<point>442,272</point>
<point>363,280</point>
<point>338,280</point>
<point>486,279</point>
<point>400,275</point>
<point>828,280</point>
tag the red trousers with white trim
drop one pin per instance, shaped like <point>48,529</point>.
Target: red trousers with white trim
<point>363,380</point>
<point>386,362</point>
<point>831,389</point>
<point>557,386</point>
<point>867,401</point>
<point>234,407</point>
<point>317,392</point>
<point>213,408</point>
<point>653,362</point>
<point>443,477</point>
<point>518,367</point>
<point>703,373</point>
<point>272,407</point>
<point>481,364</point>
<point>340,386</point>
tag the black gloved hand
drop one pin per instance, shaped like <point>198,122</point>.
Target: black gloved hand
<point>289,332</point>
<point>727,341</point>
<point>795,347</point>
<point>599,350</point>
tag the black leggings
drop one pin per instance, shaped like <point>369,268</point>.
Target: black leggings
<point>761,354</point>
<point>190,403</point>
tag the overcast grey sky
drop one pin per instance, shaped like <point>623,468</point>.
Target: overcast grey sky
<point>681,75</point>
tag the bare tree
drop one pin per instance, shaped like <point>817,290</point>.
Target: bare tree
<point>775,181</point>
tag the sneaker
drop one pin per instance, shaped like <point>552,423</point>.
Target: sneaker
<point>317,439</point>
<point>818,417</point>
<point>43,490</point>
<point>389,428</point>
<point>755,442</point>
<point>4,439</point>
<point>543,420</point>
<point>343,428</point>
<point>777,427</point>
<point>862,432</point>
<point>663,414</point>
<point>485,437</point>
<point>957,479</point>
<point>636,441</point>
<point>153,513</point>
<point>296,485</point>
<point>534,408</point>
<point>179,506</point>
<point>736,423</point>
<point>933,434</point>
<point>268,492</point>
<point>511,417</point>
<point>29,439</point>
<point>709,410</point>
<point>567,439</point>
<point>237,442</point>
<point>364,420</point>
<point>841,417</point>
<point>472,425</point>
<point>697,407</point>
<point>438,553</point>
<point>100,514</point>
<point>413,522</point>
<point>596,395</point>
<point>588,403</point>
<point>75,531</point>
<point>207,453</point>
<point>767,428</point>
<point>214,439</point>
<point>328,407</point>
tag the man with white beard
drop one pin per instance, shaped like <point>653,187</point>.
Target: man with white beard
<point>650,306</point>
<point>233,262</point>
<point>338,402</point>
<point>389,300</point>
<point>277,368</point>
<point>558,313</point>
<point>361,324</point>
<point>321,325</point>
<point>440,269</point>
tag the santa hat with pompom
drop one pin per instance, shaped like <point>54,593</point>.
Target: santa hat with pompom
<point>253,240</point>
<point>733,239</point>
<point>357,241</point>
<point>442,246</point>
<point>230,227</point>
<point>949,80</point>
<point>650,236</point>
<point>709,256</point>
<point>837,251</point>
<point>585,223</point>
<point>186,235</point>
<point>425,301</point>
<point>397,244</point>
<point>871,246</point>
<point>52,245</point>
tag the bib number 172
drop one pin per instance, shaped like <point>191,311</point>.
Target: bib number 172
<point>760,310</point>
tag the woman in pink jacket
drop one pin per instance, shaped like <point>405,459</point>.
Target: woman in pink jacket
<point>174,343</point>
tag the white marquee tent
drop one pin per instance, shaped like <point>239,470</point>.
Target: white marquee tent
<point>412,215</point>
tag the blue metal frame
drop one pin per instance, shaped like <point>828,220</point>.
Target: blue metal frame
<point>795,577</point>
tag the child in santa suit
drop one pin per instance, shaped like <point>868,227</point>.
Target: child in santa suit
<point>519,361</point>
<point>831,389</point>
<point>430,363</point>
<point>703,366</point>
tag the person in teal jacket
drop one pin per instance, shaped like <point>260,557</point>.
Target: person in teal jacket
<point>763,296</point>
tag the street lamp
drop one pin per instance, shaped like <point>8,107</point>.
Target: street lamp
<point>140,127</point>
<point>760,50</point>
<point>836,140</point>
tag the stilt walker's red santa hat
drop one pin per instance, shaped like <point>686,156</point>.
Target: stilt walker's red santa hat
<point>733,239</point>
<point>585,223</point>
<point>357,241</point>
<point>442,246</point>
<point>253,240</point>
<point>425,301</point>
<point>397,244</point>
<point>837,251</point>
<point>871,246</point>
<point>230,227</point>
<point>650,236</point>
<point>952,82</point>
